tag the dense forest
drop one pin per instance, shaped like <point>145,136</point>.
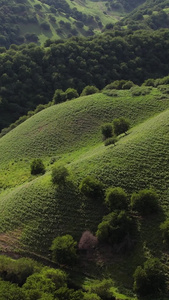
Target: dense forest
<point>29,74</point>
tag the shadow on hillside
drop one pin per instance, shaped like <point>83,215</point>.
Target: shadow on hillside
<point>77,212</point>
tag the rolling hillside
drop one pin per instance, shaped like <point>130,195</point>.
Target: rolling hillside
<point>34,211</point>
<point>36,21</point>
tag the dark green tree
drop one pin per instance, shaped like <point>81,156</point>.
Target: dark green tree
<point>59,96</point>
<point>116,199</point>
<point>145,202</point>
<point>107,130</point>
<point>115,227</point>
<point>37,167</point>
<point>121,125</point>
<point>71,93</point>
<point>89,89</point>
<point>64,249</point>
<point>59,175</point>
<point>91,187</point>
<point>150,279</point>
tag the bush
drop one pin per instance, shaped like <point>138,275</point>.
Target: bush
<point>89,89</point>
<point>110,141</point>
<point>107,130</point>
<point>116,198</point>
<point>164,227</point>
<point>37,167</point>
<point>102,289</point>
<point>59,96</point>
<point>127,85</point>
<point>71,93</point>
<point>64,249</point>
<point>59,175</point>
<point>150,279</point>
<point>120,125</point>
<point>115,227</point>
<point>145,201</point>
<point>91,187</point>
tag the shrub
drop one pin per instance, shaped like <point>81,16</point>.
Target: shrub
<point>59,96</point>
<point>71,93</point>
<point>89,89</point>
<point>110,141</point>
<point>45,282</point>
<point>150,279</point>
<point>115,227</point>
<point>102,289</point>
<point>116,198</point>
<point>64,249</point>
<point>127,85</point>
<point>59,175</point>
<point>145,201</point>
<point>91,296</point>
<point>37,167</point>
<point>91,187</point>
<point>164,227</point>
<point>120,125</point>
<point>107,130</point>
<point>87,241</point>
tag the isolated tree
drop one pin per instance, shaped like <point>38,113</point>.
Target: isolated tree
<point>145,201</point>
<point>37,167</point>
<point>120,125</point>
<point>107,130</point>
<point>116,199</point>
<point>64,249</point>
<point>91,187</point>
<point>150,279</point>
<point>59,175</point>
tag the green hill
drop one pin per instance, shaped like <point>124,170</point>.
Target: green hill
<point>36,21</point>
<point>34,211</point>
<point>151,15</point>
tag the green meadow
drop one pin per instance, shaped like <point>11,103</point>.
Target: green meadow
<point>70,134</point>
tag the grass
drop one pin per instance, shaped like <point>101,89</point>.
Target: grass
<point>71,133</point>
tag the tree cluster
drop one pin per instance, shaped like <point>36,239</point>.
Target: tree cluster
<point>30,75</point>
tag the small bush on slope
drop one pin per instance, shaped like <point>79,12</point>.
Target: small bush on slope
<point>37,167</point>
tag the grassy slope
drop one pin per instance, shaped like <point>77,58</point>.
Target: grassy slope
<point>70,132</point>
<point>89,8</point>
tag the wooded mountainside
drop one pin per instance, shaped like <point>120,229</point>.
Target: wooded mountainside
<point>30,74</point>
